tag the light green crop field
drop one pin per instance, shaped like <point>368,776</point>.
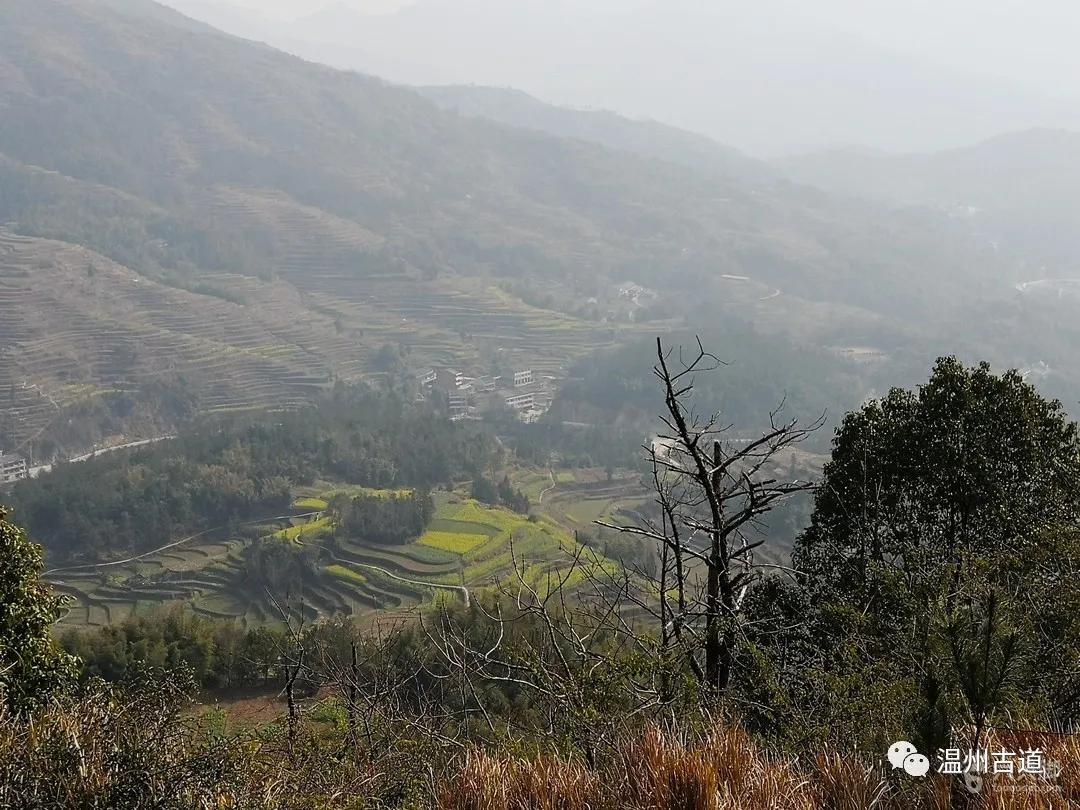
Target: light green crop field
<point>352,491</point>
<point>343,572</point>
<point>312,526</point>
<point>454,542</point>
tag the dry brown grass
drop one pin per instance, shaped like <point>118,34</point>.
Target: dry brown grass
<point>106,752</point>
<point>544,783</point>
<point>724,770</point>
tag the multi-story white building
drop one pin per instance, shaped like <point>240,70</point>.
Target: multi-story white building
<point>521,402</point>
<point>522,378</point>
<point>12,468</point>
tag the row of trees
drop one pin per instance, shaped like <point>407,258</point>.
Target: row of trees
<point>217,654</point>
<point>502,494</point>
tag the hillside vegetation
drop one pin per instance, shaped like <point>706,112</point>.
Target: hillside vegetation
<point>570,688</point>
<point>225,472</point>
<point>203,221</point>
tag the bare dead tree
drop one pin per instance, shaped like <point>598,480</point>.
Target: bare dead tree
<point>292,672</point>
<point>712,492</point>
<point>292,663</point>
<point>352,692</point>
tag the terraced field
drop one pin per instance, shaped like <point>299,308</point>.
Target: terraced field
<point>576,498</point>
<point>107,329</point>
<point>75,325</point>
<point>466,547</point>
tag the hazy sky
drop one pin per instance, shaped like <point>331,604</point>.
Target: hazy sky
<point>767,76</point>
<point>1032,41</point>
<point>292,9</point>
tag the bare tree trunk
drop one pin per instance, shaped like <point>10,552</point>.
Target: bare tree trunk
<point>291,674</point>
<point>705,493</point>
<point>354,675</point>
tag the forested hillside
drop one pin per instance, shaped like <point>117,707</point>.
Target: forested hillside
<point>230,471</point>
<point>241,216</point>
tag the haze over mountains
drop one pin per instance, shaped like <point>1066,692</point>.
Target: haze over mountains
<point>1022,186</point>
<point>1018,189</point>
<point>771,77</point>
<point>432,445</point>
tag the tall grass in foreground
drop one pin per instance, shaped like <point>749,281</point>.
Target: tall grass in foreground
<point>108,751</point>
<point>659,770</point>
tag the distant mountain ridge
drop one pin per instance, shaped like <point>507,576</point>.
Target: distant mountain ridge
<point>647,138</point>
<point>1024,187</point>
<point>771,78</point>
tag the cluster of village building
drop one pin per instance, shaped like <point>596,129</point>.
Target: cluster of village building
<point>12,468</point>
<point>467,397</point>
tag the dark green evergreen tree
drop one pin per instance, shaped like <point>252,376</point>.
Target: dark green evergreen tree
<point>31,665</point>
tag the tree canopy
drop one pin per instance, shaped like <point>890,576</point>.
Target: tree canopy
<point>941,550</point>
<point>31,665</point>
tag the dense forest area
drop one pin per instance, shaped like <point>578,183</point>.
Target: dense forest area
<point>224,472</point>
<point>395,517</point>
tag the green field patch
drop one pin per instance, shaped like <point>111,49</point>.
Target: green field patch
<point>145,567</point>
<point>413,552</point>
<point>350,592</point>
<point>308,529</point>
<point>96,615</point>
<point>464,527</point>
<point>180,563</point>
<point>310,503</point>
<point>397,563</point>
<point>454,542</point>
<point>472,512</point>
<point>347,574</point>
<point>217,604</point>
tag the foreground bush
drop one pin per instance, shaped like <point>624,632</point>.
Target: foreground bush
<point>107,751</point>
